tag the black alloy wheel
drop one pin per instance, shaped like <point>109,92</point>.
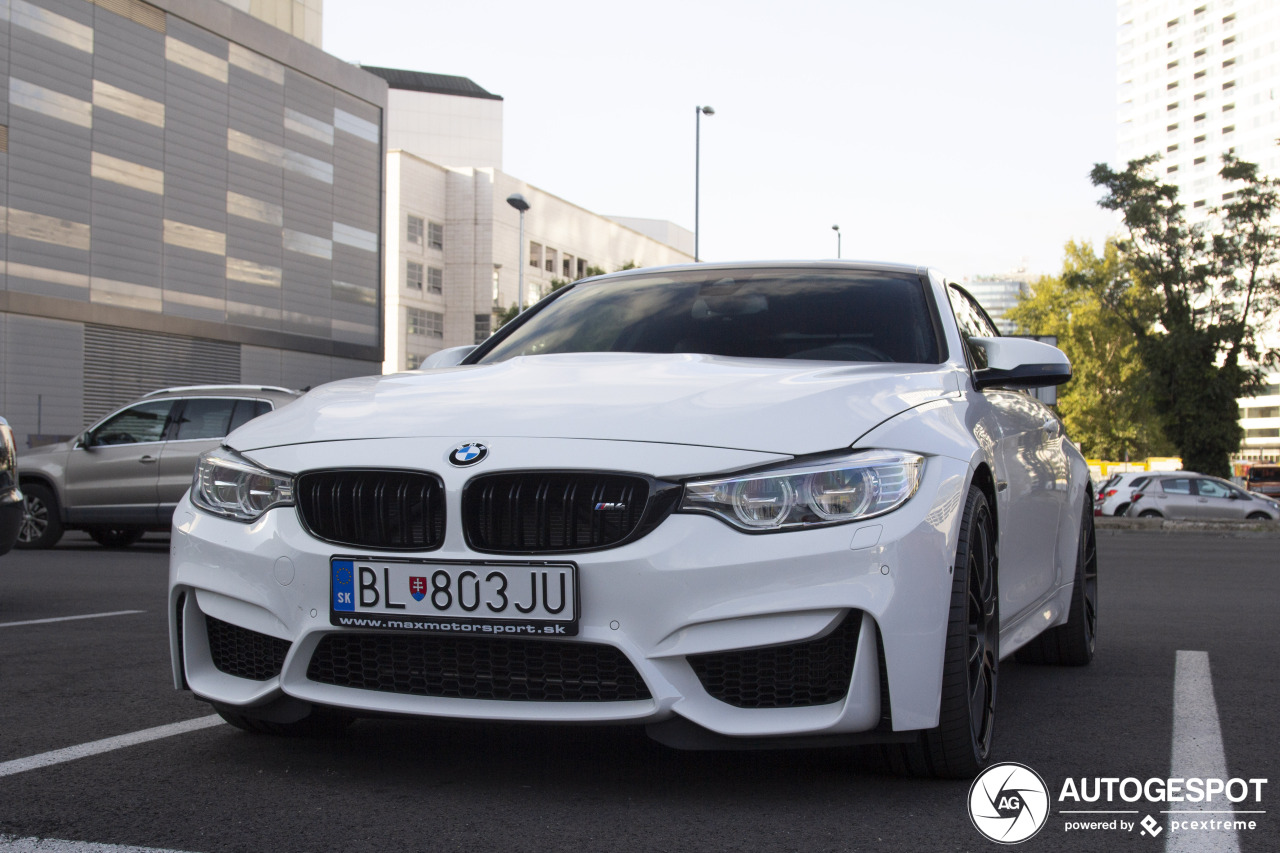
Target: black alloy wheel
<point>959,747</point>
<point>1073,643</point>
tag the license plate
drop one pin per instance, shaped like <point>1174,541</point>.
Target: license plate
<point>507,598</point>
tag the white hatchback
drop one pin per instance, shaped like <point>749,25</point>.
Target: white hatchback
<point>792,503</point>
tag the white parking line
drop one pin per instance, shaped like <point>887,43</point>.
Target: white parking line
<point>70,618</point>
<point>84,750</point>
<point>1197,752</point>
<point>10,844</point>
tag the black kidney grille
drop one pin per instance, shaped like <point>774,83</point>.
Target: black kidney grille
<point>543,512</point>
<point>797,675</point>
<point>394,510</point>
<point>476,668</point>
<point>243,653</point>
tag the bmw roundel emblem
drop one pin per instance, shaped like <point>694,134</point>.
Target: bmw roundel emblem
<point>468,454</point>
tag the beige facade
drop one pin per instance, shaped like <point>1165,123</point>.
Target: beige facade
<point>454,252</point>
<point>300,18</point>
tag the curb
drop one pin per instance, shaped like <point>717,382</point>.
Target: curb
<point>1222,528</point>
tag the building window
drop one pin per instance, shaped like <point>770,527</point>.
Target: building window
<point>415,230</point>
<point>1171,170</point>
<point>413,275</point>
<point>1263,433</point>
<point>435,235</point>
<point>535,255</point>
<point>426,324</point>
<point>550,265</point>
<point>1171,128</point>
<point>1199,95</point>
<point>1172,23</point>
<point>1229,18</point>
<point>1199,54</point>
<point>1228,196</point>
<point>1227,63</point>
<point>1230,84</point>
<point>1200,118</point>
<point>1231,128</point>
<point>1229,40</point>
<point>435,280</point>
<point>1200,10</point>
<point>1228,108</point>
<point>1198,75</point>
<point>1198,161</point>
<point>1172,85</point>
<point>1198,140</point>
<point>412,360</point>
<point>582,269</point>
<point>1173,64</point>
<point>1171,149</point>
<point>1172,106</point>
<point>483,325</point>
<point>1199,203</point>
<point>566,266</point>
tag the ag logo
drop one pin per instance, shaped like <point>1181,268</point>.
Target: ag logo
<point>1008,803</point>
<point>468,454</point>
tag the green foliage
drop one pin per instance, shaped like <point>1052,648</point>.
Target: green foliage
<point>502,318</point>
<point>1194,296</point>
<point>1107,405</point>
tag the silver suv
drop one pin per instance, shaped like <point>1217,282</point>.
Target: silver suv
<point>125,474</point>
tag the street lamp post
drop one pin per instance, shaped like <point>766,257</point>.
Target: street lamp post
<point>836,228</point>
<point>517,201</point>
<point>697,170</point>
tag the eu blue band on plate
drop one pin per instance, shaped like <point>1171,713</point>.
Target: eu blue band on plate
<point>344,585</point>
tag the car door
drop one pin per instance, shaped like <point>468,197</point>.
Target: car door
<point>1219,500</point>
<point>1173,497</point>
<point>199,424</point>
<point>111,472</point>
<point>1031,473</point>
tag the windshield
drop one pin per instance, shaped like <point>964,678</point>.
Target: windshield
<point>822,315</point>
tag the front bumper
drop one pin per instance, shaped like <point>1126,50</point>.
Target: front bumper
<point>691,591</point>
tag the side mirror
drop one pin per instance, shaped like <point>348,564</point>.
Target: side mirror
<point>1020,363</point>
<point>450,357</point>
<point>85,440</point>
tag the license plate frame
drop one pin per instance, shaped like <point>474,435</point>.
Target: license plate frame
<point>507,597</point>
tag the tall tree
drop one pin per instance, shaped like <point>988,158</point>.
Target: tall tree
<point>1107,405</point>
<point>1195,295</point>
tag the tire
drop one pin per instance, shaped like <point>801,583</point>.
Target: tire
<point>320,723</point>
<point>115,537</point>
<point>41,525</point>
<point>961,744</point>
<point>1149,513</point>
<point>1073,644</point>
<point>1258,516</point>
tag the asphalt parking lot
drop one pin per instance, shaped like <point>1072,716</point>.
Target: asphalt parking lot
<point>389,784</point>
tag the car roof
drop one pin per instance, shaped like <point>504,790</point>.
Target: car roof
<point>269,391</point>
<point>868,266</point>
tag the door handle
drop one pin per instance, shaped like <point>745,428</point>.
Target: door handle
<point>148,459</point>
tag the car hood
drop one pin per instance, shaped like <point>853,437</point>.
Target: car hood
<point>749,404</point>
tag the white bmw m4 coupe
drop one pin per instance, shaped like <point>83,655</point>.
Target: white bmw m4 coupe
<point>765,504</point>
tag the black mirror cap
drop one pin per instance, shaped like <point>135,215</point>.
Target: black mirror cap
<point>1022,376</point>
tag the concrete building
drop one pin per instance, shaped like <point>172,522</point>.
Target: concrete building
<point>190,194</point>
<point>1196,79</point>
<point>997,294</point>
<point>453,242</point>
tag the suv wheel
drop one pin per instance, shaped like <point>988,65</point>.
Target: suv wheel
<point>115,537</point>
<point>41,526</point>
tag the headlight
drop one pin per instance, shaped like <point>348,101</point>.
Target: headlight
<point>231,486</point>
<point>859,486</point>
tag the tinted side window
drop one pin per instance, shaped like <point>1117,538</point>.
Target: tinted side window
<point>1180,486</point>
<point>247,410</point>
<point>135,425</point>
<point>973,323</point>
<point>204,418</point>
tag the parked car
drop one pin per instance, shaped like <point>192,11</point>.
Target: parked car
<point>784,502</point>
<point>125,474</point>
<point>10,494</point>
<point>1264,478</point>
<point>1114,495</point>
<point>1188,495</point>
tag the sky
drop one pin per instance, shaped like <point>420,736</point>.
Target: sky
<point>958,135</point>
